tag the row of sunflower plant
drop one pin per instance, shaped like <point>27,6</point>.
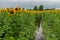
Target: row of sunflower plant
<point>51,25</point>
<point>20,26</point>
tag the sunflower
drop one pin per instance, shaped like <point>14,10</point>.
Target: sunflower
<point>12,11</point>
<point>18,9</point>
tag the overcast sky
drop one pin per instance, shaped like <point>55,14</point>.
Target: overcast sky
<point>30,3</point>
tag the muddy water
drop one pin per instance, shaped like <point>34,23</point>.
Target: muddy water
<point>38,34</point>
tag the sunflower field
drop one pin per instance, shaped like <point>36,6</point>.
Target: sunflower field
<point>17,24</point>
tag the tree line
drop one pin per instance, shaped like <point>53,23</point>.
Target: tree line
<point>40,8</point>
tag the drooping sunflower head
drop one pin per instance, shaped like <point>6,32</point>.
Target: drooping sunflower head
<point>12,11</point>
<point>18,9</point>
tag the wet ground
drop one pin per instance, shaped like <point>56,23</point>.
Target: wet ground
<point>38,34</point>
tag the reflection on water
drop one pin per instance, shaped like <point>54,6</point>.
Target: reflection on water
<point>38,34</point>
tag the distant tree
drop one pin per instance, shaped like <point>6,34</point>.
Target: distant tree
<point>41,7</point>
<point>50,9</point>
<point>47,8</point>
<point>53,8</point>
<point>29,9</point>
<point>23,8</point>
<point>35,8</point>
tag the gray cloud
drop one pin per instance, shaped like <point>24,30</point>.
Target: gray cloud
<point>29,4</point>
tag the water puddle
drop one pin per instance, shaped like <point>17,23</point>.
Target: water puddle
<point>38,34</point>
